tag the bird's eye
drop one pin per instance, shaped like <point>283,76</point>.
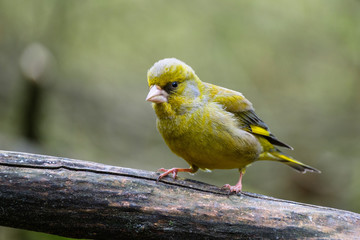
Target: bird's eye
<point>174,84</point>
<point>171,87</point>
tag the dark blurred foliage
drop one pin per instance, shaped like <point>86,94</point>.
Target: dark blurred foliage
<point>73,83</point>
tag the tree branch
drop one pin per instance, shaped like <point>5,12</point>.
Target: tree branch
<point>82,199</point>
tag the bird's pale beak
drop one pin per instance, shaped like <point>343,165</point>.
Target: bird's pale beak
<point>157,95</point>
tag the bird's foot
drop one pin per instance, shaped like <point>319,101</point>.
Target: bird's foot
<point>237,188</point>
<point>174,172</point>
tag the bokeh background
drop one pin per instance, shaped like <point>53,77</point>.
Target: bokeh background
<point>73,84</point>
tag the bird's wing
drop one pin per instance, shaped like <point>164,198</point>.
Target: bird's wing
<point>237,104</point>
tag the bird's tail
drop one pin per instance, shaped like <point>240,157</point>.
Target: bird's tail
<point>276,155</point>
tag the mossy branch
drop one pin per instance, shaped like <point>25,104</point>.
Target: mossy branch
<point>82,199</point>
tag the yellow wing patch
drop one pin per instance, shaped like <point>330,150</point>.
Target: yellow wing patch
<point>259,130</point>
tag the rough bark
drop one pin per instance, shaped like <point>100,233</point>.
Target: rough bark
<point>82,199</point>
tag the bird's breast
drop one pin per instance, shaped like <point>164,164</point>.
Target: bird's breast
<point>209,137</point>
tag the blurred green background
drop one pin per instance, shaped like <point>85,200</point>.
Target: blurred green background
<point>73,84</point>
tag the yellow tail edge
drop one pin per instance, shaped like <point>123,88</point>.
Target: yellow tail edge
<point>278,156</point>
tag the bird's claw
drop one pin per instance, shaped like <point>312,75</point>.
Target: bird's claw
<point>173,171</point>
<point>237,188</point>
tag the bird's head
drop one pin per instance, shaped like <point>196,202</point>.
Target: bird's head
<point>172,81</point>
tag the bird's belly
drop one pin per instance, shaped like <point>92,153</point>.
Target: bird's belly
<point>213,144</point>
<point>214,153</point>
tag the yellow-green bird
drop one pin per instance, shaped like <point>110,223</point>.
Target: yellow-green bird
<point>210,127</point>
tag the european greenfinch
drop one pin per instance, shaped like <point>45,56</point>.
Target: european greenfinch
<point>210,127</point>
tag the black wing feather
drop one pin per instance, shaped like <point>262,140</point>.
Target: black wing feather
<point>249,118</point>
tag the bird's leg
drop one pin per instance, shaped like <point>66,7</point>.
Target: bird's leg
<point>174,172</point>
<point>237,188</point>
